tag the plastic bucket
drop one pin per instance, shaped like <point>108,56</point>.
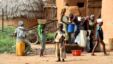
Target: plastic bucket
<point>70,28</point>
<point>76,52</point>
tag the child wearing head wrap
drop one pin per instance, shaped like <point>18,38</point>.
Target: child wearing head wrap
<point>21,35</point>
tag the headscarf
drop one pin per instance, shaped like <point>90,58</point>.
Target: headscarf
<point>20,23</point>
<point>99,20</point>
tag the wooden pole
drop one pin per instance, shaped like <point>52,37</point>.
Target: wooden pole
<point>2,20</point>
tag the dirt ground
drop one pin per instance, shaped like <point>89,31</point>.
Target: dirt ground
<point>86,58</point>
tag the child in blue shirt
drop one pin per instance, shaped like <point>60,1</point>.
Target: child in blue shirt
<point>99,36</point>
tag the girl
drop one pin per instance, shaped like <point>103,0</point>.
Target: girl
<point>21,35</point>
<point>99,36</point>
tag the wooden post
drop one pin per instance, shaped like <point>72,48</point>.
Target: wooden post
<point>86,7</point>
<point>2,20</point>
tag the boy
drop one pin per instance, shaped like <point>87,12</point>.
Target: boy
<point>99,36</point>
<point>41,29</point>
<point>60,43</point>
<point>42,39</point>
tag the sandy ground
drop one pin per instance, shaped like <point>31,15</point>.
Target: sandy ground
<point>86,58</point>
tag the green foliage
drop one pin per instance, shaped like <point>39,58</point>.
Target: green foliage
<point>50,36</point>
<point>7,43</point>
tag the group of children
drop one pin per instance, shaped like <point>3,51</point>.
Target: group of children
<point>84,31</point>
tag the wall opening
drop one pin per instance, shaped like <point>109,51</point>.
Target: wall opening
<point>80,4</point>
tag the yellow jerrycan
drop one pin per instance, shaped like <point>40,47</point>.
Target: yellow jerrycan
<point>20,48</point>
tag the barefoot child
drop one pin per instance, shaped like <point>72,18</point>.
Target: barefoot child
<point>60,43</point>
<point>42,40</point>
<point>99,36</point>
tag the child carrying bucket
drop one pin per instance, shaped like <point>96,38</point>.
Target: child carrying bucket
<point>42,38</point>
<point>60,44</point>
<point>70,27</point>
<point>42,31</point>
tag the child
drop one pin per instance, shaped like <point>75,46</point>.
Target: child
<point>21,34</point>
<point>60,43</point>
<point>41,29</point>
<point>42,37</point>
<point>99,36</point>
<point>91,28</point>
<point>43,40</point>
<point>81,38</point>
<point>65,20</point>
<point>77,31</point>
<point>70,21</point>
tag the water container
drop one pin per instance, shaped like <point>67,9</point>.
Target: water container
<point>76,52</point>
<point>70,28</point>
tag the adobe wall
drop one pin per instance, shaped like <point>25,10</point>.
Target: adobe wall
<point>60,5</point>
<point>107,16</point>
<point>14,22</point>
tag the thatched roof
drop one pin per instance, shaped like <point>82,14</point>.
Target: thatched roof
<point>22,8</point>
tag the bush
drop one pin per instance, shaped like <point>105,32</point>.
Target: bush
<point>50,36</point>
<point>7,43</point>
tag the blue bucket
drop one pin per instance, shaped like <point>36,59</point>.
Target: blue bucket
<point>70,27</point>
